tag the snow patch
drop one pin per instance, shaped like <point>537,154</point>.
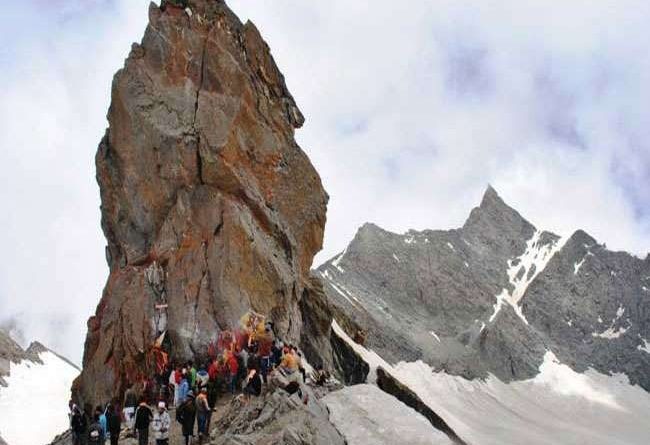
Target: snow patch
<point>396,259</point>
<point>466,264</point>
<point>563,380</point>
<point>578,265</point>
<point>620,311</point>
<point>435,336</point>
<point>645,347</point>
<point>38,393</point>
<point>338,259</point>
<point>536,256</point>
<point>610,333</point>
<point>410,239</point>
<point>451,246</point>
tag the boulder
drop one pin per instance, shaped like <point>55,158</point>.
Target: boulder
<point>277,418</point>
<point>209,206</point>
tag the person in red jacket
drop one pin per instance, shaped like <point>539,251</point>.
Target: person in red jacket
<point>233,368</point>
<point>213,370</point>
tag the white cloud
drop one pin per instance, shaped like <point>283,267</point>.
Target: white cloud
<point>412,108</point>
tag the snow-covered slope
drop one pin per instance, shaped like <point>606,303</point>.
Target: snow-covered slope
<point>558,406</point>
<point>33,404</point>
<point>364,414</point>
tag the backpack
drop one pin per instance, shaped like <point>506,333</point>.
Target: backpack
<point>95,433</point>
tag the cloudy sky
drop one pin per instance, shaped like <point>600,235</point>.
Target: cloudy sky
<point>412,109</point>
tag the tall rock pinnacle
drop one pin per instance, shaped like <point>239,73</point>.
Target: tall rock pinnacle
<point>209,206</point>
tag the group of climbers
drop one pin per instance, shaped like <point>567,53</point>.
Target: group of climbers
<point>243,361</point>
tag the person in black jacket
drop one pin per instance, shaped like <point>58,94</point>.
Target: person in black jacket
<point>114,422</point>
<point>78,425</point>
<point>143,417</point>
<point>186,415</point>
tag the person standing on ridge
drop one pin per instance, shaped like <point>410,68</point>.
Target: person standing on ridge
<point>161,425</point>
<point>143,417</point>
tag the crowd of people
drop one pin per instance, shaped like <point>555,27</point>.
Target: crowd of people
<point>240,363</point>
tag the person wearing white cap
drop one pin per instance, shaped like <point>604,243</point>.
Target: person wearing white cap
<point>161,424</point>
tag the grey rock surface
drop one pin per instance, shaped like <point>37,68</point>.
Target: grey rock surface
<point>493,296</point>
<point>277,419</point>
<point>592,307</point>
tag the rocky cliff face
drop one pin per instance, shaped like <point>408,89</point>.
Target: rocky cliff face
<point>494,295</point>
<point>209,206</point>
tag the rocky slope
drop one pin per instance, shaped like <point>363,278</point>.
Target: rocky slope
<point>208,204</point>
<point>493,296</point>
<point>40,374</point>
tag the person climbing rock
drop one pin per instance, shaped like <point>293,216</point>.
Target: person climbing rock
<point>203,412</point>
<point>143,417</point>
<point>161,425</point>
<point>186,415</point>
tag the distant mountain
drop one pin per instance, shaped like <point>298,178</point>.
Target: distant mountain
<point>493,296</point>
<point>34,386</point>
